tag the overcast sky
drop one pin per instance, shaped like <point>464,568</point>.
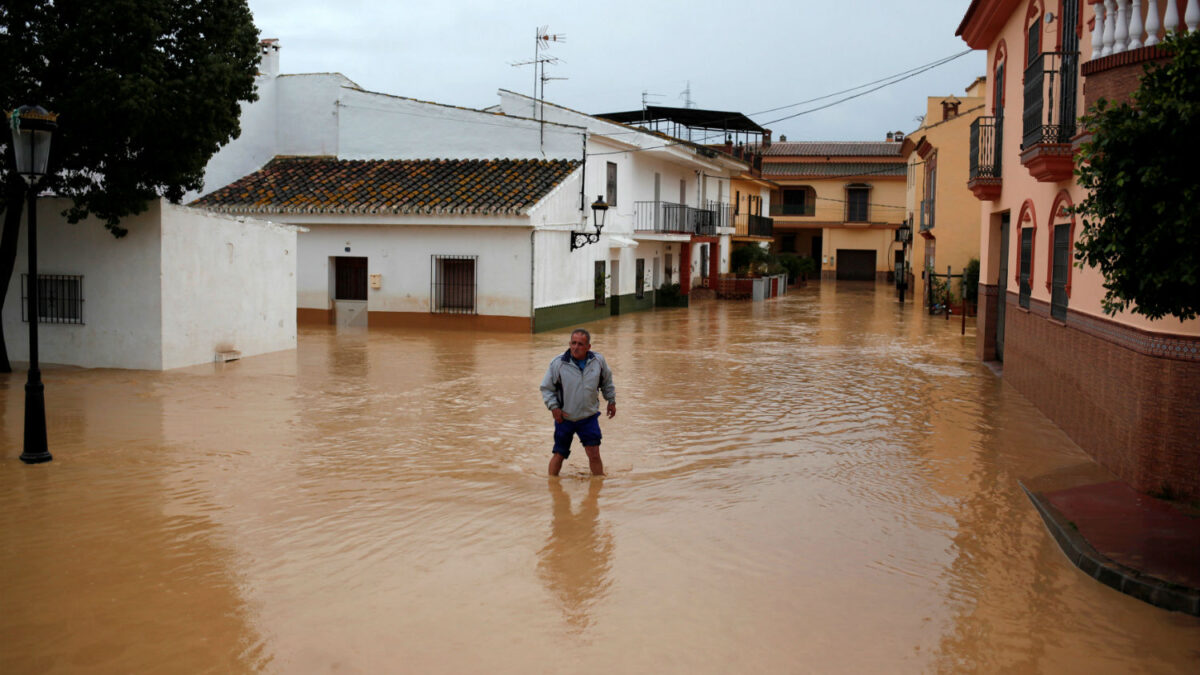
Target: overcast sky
<point>748,56</point>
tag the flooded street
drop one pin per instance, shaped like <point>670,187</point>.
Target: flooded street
<point>822,483</point>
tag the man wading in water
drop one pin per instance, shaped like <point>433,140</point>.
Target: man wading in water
<point>569,390</point>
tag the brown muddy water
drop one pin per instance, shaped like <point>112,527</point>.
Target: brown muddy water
<point>823,483</point>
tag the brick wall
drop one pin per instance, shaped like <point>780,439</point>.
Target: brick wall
<point>1116,77</point>
<point>1136,413</point>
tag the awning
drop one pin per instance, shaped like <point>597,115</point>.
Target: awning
<point>617,241</point>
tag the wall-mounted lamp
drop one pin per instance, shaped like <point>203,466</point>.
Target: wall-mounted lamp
<point>599,211</point>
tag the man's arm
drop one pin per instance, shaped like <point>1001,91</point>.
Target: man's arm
<point>608,388</point>
<point>550,392</point>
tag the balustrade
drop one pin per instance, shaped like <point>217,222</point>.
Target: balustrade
<point>1124,25</point>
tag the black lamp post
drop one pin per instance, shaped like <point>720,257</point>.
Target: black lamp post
<point>599,210</point>
<point>32,128</point>
<point>904,234</point>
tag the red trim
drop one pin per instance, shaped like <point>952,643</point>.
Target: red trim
<point>1028,214</point>
<point>1060,212</point>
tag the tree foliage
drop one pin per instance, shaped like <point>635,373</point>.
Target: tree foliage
<point>1141,227</point>
<point>146,92</point>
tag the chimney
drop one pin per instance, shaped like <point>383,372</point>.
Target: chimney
<point>890,137</point>
<point>898,136</point>
<point>268,65</point>
<point>950,108</point>
<point>729,145</point>
<point>766,138</point>
<point>783,138</point>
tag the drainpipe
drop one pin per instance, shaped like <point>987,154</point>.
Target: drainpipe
<point>532,312</point>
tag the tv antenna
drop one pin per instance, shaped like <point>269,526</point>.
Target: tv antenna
<point>646,95</point>
<point>543,40</point>
<point>686,95</point>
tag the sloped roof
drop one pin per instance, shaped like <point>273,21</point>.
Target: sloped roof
<point>691,117</point>
<point>834,169</point>
<point>420,186</point>
<point>834,149</point>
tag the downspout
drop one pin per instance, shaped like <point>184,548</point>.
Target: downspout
<point>532,312</point>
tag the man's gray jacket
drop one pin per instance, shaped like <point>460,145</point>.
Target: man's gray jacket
<point>566,386</point>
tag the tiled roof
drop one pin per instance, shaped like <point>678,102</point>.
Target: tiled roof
<point>835,169</point>
<point>420,186</point>
<point>834,149</point>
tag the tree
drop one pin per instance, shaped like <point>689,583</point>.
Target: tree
<point>1141,228</point>
<point>146,92</point>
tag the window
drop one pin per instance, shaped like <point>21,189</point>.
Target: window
<point>1034,43</point>
<point>599,284</point>
<point>641,278</point>
<point>669,267</point>
<point>453,289</point>
<point>704,263</point>
<point>60,298</point>
<point>611,195</point>
<point>798,201</point>
<point>930,190</point>
<point>737,202</point>
<point>1062,267</point>
<point>788,245</point>
<point>857,197</point>
<point>931,254</point>
<point>1026,264</point>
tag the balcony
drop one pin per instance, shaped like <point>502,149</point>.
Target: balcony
<point>926,216</point>
<point>671,218</point>
<point>984,179</point>
<point>785,210</point>
<point>748,225</point>
<point>1048,124</point>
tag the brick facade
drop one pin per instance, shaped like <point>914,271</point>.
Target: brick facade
<point>1116,77</point>
<point>1130,399</point>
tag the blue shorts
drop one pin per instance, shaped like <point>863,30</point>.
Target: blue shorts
<point>564,432</point>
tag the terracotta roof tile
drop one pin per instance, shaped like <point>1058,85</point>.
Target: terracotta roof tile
<point>421,186</point>
<point>833,169</point>
<point>834,149</point>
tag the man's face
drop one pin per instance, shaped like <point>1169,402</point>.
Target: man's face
<point>579,346</point>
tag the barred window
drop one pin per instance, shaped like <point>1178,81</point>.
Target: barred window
<point>1026,265</point>
<point>611,192</point>
<point>641,278</point>
<point>453,284</point>
<point>60,298</point>
<point>1062,266</point>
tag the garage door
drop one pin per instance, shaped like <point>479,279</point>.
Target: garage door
<point>853,265</point>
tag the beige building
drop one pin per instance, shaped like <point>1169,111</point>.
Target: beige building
<point>840,203</point>
<point>942,210</point>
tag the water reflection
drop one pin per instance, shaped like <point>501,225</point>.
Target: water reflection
<point>576,560</point>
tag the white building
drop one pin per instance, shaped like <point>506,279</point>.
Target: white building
<point>182,287</point>
<point>384,246</point>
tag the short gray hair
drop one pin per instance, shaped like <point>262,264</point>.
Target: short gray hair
<point>586,334</point>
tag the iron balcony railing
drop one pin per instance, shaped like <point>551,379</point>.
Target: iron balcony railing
<point>986,140</point>
<point>676,218</point>
<point>806,209</point>
<point>1051,82</point>
<point>750,225</point>
<point>723,213</point>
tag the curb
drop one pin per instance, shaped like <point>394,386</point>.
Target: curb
<point>1127,580</point>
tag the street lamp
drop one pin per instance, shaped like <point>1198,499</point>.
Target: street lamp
<point>599,210</point>
<point>32,128</point>
<point>904,235</point>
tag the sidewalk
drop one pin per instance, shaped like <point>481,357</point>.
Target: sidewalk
<point>1145,547</point>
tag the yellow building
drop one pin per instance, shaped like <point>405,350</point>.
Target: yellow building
<point>840,203</point>
<point>943,212</point>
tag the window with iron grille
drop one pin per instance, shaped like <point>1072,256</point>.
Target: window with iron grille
<point>1062,267</point>
<point>598,280</point>
<point>641,278</point>
<point>611,194</point>
<point>60,298</point>
<point>856,203</point>
<point>1026,265</point>
<point>453,285</point>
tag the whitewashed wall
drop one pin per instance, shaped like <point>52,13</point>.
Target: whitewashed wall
<point>402,255</point>
<point>158,297</point>
<point>376,126</point>
<point>226,282</point>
